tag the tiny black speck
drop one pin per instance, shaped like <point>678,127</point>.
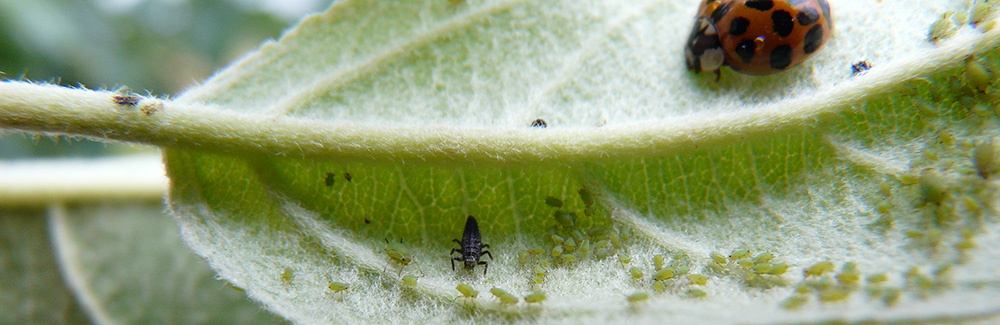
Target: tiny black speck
<point>807,16</point>
<point>330,179</point>
<point>860,67</point>
<point>762,5</point>
<point>783,23</point>
<point>813,39</point>
<point>781,57</point>
<point>539,123</point>
<point>738,26</point>
<point>745,50</point>
<point>347,176</point>
<point>367,221</point>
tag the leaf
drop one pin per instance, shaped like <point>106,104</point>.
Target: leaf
<point>426,105</point>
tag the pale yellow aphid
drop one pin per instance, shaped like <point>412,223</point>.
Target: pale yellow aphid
<point>287,275</point>
<point>664,274</point>
<point>557,251</point>
<point>536,251</point>
<point>624,259</point>
<point>338,286</point>
<point>738,254</point>
<point>568,258</point>
<point>696,293</point>
<point>763,268</point>
<point>878,278</point>
<point>718,258</point>
<point>535,297</point>
<point>467,290</point>
<point>764,257</point>
<point>659,286</point>
<point>638,297</point>
<point>410,280</point>
<point>794,302</point>
<point>504,296</point>
<point>539,271</point>
<point>697,279</point>
<point>819,269</point>
<point>635,272</point>
<point>658,262</point>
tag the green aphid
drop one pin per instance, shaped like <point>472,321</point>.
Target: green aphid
<point>942,28</point>
<point>664,274</point>
<point>558,240</point>
<point>912,272</point>
<point>615,239</point>
<point>981,11</point>
<point>697,279</point>
<point>536,251</point>
<point>718,258</point>
<point>764,257</point>
<point>584,247</point>
<point>738,254</point>
<point>410,280</point>
<point>287,275</point>
<point>763,268</point>
<point>658,262</point>
<point>977,75</point>
<point>986,158</point>
<point>878,278</point>
<point>467,290</point>
<point>933,187</point>
<point>696,293</point>
<point>557,251</point>
<point>745,263</point>
<point>601,245</point>
<point>891,296</point>
<point>586,197</point>
<point>635,272</point>
<point>535,297</point>
<point>971,203</point>
<point>539,271</point>
<point>794,302</point>
<point>338,286</point>
<point>577,235</point>
<point>553,202</point>
<point>398,253</point>
<point>802,289</point>
<point>522,257</point>
<point>568,258</point>
<point>965,244</point>
<point>569,245</point>
<point>589,211</point>
<point>849,277</point>
<point>943,272</point>
<point>778,269</point>
<point>624,259</point>
<point>681,269</point>
<point>819,269</point>
<point>544,264</point>
<point>504,296</point>
<point>883,207</point>
<point>537,279</point>
<point>659,286</point>
<point>565,219</point>
<point>625,233</point>
<point>637,297</point>
<point>597,232</point>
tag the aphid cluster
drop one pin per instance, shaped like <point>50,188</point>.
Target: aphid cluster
<point>504,297</point>
<point>471,247</point>
<point>761,270</point>
<point>672,276</point>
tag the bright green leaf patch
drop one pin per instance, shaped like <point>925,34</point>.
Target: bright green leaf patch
<point>874,174</point>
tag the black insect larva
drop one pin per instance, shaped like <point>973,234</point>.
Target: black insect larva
<point>471,247</point>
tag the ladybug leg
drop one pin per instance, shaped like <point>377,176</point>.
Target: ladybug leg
<point>718,75</point>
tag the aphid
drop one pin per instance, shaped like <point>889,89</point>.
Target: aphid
<point>659,286</point>
<point>860,67</point>
<point>287,275</point>
<point>891,297</point>
<point>982,10</point>
<point>794,302</point>
<point>471,247</point>
<point>348,177</point>
<point>597,232</point>
<point>539,271</point>
<point>635,272</point>
<point>553,202</point>
<point>584,248</point>
<point>819,269</point>
<point>878,278</point>
<point>125,97</point>
<point>558,240</point>
<point>764,257</point>
<point>467,290</point>
<point>977,75</point>
<point>537,279</point>
<point>535,297</point>
<point>745,263</point>
<point>539,123</point>
<point>986,158</point>
<point>718,258</point>
<point>848,277</point>
<point>398,253</point>
<point>637,297</point>
<point>576,232</point>
<point>933,187</point>
<point>763,268</point>
<point>738,254</point>
<point>942,28</point>
<point>624,259</point>
<point>569,245</point>
<point>568,258</point>
<point>833,294</point>
<point>565,219</point>
<point>410,280</point>
<point>658,262</point>
<point>330,179</point>
<point>504,296</point>
<point>757,37</point>
<point>697,279</point>
<point>338,286</point>
<point>664,274</point>
<point>778,269</point>
<point>536,251</point>
<point>151,108</point>
<point>557,251</point>
<point>696,293</point>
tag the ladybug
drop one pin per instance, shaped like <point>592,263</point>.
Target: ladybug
<point>757,36</point>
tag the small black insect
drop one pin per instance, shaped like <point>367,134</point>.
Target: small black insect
<point>347,176</point>
<point>330,179</point>
<point>860,67</point>
<point>471,247</point>
<point>539,123</point>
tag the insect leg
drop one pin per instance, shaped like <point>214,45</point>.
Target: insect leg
<point>453,250</point>
<point>485,266</point>
<point>453,259</point>
<point>486,253</point>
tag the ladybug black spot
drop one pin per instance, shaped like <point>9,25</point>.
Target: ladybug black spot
<point>781,57</point>
<point>807,16</point>
<point>738,26</point>
<point>746,49</point>
<point>762,5</point>
<point>813,39</point>
<point>783,23</point>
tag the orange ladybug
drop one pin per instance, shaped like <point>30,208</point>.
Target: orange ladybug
<point>757,36</point>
